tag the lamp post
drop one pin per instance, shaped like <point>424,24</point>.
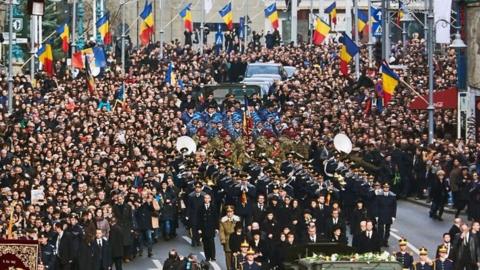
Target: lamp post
<point>370,34</point>
<point>355,32</point>
<point>457,43</point>
<point>123,40</point>
<point>10,56</point>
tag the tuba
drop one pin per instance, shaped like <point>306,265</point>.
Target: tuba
<point>186,145</point>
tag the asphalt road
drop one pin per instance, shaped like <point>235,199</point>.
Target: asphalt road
<point>412,223</point>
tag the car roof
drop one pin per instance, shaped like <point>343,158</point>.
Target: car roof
<point>264,64</point>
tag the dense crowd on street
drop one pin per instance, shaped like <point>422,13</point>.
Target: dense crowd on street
<point>109,182</point>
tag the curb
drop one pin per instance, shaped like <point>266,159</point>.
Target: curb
<point>423,203</point>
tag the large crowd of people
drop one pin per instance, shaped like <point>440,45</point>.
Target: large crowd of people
<point>96,177</point>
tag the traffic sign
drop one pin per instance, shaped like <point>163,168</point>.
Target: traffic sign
<point>377,29</point>
<point>17,24</point>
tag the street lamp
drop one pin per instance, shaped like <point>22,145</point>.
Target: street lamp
<point>457,43</point>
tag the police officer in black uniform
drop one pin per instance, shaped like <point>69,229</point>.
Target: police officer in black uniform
<point>47,256</point>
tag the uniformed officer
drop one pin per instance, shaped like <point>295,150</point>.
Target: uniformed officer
<point>424,263</point>
<point>251,264</point>
<point>443,262</point>
<point>404,257</point>
<point>47,256</point>
<point>241,257</point>
<point>227,227</point>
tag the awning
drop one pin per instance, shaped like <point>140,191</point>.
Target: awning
<point>445,99</point>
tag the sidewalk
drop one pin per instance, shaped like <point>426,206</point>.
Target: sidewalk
<point>448,209</point>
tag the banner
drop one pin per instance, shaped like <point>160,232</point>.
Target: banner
<point>18,254</point>
<point>442,11</point>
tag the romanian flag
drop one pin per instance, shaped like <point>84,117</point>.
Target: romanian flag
<point>186,15</point>
<point>348,50</point>
<point>45,56</point>
<point>390,81</point>
<point>332,12</point>
<point>89,77</point>
<point>103,27</point>
<point>170,77</point>
<point>362,20</point>
<point>146,27</point>
<point>321,31</point>
<point>272,15</point>
<point>226,13</point>
<point>64,33</point>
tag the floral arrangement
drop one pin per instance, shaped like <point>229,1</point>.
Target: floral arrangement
<point>367,257</point>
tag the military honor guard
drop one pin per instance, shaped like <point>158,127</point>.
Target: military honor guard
<point>403,256</point>
<point>443,262</point>
<point>227,227</point>
<point>250,263</point>
<point>424,262</point>
<point>241,257</point>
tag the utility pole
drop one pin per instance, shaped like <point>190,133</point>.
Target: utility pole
<point>355,32</point>
<point>202,23</point>
<point>311,22</point>
<point>387,32</point>
<point>10,57</point>
<point>74,25</point>
<point>33,25</point>
<point>94,20</point>
<point>123,40</point>
<point>294,22</point>
<point>384,31</point>
<point>245,34</point>
<point>370,34</point>
<point>430,41</point>
<point>161,29</point>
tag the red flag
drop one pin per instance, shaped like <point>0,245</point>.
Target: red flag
<point>77,60</point>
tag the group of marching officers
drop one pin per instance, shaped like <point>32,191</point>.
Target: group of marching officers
<point>271,209</point>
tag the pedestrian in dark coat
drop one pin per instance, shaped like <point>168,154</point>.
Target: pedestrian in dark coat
<point>386,212</point>
<point>208,227</point>
<point>123,213</point>
<point>102,254</point>
<point>439,195</point>
<point>173,261</point>
<point>359,214</point>
<point>194,202</point>
<point>143,216</point>
<point>369,241</point>
<point>474,198</point>
<point>116,243</point>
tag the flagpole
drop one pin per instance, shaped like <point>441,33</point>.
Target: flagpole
<point>355,32</point>
<point>202,22</point>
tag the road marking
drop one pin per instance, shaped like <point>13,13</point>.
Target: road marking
<point>158,264</point>
<point>412,247</point>
<point>186,238</point>
<point>215,266</point>
<point>393,230</point>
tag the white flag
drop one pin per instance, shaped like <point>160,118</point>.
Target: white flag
<point>208,5</point>
<point>442,10</point>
